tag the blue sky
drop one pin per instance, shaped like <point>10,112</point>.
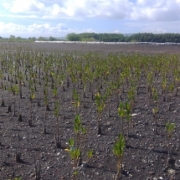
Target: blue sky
<point>34,18</point>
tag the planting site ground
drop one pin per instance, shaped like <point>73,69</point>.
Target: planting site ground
<point>36,128</point>
<point>103,48</point>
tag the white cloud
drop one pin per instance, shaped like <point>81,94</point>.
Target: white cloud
<point>157,10</point>
<point>34,29</point>
<point>18,16</point>
<point>116,31</point>
<point>154,27</point>
<point>45,30</point>
<point>94,8</point>
<point>144,16</point>
<point>163,10</point>
<point>21,6</point>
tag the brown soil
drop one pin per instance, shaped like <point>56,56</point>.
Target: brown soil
<point>145,153</point>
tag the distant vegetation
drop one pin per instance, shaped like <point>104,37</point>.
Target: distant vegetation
<point>113,37</point>
<point>13,38</point>
<point>102,37</point>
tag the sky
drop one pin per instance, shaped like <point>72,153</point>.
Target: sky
<point>57,18</point>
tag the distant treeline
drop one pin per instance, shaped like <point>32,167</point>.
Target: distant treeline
<point>103,37</point>
<point>12,38</point>
<point>113,37</point>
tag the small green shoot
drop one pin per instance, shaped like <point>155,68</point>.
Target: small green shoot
<point>118,151</point>
<point>90,154</point>
<point>170,129</point>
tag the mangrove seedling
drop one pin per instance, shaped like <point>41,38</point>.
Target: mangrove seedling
<point>55,92</point>
<point>79,129</point>
<point>75,174</point>
<point>56,113</point>
<point>171,89</point>
<point>131,97</point>
<point>76,101</point>
<point>37,170</point>
<point>128,115</point>
<point>15,90</point>
<point>20,80</point>
<point>32,97</point>
<point>100,105</point>
<point>169,129</point>
<point>154,94</point>
<point>155,112</point>
<point>122,114</point>
<point>16,178</point>
<point>89,154</point>
<point>46,99</point>
<point>75,153</point>
<point>118,151</point>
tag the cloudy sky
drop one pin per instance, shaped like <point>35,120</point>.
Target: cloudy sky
<point>29,18</point>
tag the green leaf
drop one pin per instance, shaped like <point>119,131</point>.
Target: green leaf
<point>170,128</point>
<point>71,142</point>
<point>119,146</point>
<point>75,153</point>
<point>90,153</point>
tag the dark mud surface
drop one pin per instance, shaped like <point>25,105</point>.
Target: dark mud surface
<point>103,48</point>
<point>146,153</point>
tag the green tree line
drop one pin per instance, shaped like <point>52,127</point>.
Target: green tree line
<point>114,37</point>
<point>13,38</point>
